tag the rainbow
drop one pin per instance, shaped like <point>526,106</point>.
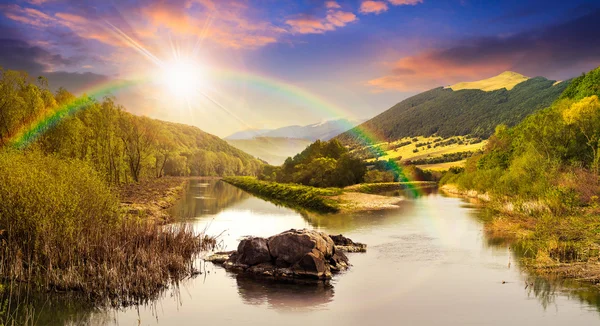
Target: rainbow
<point>30,132</point>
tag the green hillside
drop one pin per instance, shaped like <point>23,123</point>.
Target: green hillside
<point>273,150</point>
<point>552,156</point>
<point>121,146</point>
<point>444,112</point>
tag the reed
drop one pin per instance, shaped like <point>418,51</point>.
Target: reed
<point>62,230</point>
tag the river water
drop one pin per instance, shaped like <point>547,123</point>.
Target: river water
<point>428,263</point>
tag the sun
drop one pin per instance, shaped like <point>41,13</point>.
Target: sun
<point>183,78</point>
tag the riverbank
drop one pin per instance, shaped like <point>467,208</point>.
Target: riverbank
<point>62,230</point>
<point>149,199</point>
<point>559,246</point>
<point>390,187</point>
<point>321,200</point>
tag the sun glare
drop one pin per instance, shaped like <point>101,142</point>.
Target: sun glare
<point>182,78</point>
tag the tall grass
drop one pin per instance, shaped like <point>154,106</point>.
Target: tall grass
<point>288,194</point>
<point>62,231</point>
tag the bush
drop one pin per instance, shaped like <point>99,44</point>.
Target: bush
<point>61,229</point>
<point>375,176</point>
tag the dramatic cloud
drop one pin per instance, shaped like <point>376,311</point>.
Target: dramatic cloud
<point>332,5</point>
<point>19,55</point>
<point>405,2</point>
<point>565,50</point>
<point>373,7</point>
<point>226,23</point>
<point>308,24</point>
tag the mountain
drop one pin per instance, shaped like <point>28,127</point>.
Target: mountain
<point>247,134</point>
<point>447,112</point>
<point>273,150</point>
<point>324,131</point>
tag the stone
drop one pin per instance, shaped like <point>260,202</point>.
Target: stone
<point>293,254</point>
<point>253,251</point>
<point>290,246</point>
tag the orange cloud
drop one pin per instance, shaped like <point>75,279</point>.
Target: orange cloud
<point>373,7</point>
<point>305,24</point>
<point>27,16</point>
<point>405,2</point>
<point>433,69</point>
<point>332,5</point>
<point>226,24</point>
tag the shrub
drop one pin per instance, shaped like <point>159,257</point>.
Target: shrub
<point>62,230</point>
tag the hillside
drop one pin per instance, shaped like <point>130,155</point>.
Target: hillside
<point>273,150</point>
<point>446,113</point>
<point>323,130</point>
<point>507,79</point>
<point>121,146</point>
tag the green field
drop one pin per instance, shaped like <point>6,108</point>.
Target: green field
<point>407,153</point>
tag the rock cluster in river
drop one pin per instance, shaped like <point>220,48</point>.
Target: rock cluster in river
<point>302,254</point>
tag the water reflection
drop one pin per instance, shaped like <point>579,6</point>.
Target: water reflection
<point>285,297</point>
<point>428,263</point>
<point>207,197</point>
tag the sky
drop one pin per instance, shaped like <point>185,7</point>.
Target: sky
<point>230,65</point>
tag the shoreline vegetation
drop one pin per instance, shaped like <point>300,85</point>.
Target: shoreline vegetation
<point>151,198</point>
<point>65,232</point>
<point>541,178</point>
<point>360,197</point>
<point>567,247</point>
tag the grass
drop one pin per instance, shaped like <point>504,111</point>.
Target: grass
<point>148,199</point>
<point>507,79</point>
<point>384,187</point>
<point>442,166</point>
<point>290,195</point>
<point>61,229</point>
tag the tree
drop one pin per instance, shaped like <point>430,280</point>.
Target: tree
<point>137,134</point>
<point>585,116</point>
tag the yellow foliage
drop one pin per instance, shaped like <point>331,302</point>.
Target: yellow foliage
<point>583,110</point>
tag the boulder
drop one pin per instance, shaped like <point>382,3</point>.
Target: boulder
<point>293,254</point>
<point>253,251</point>
<point>291,246</point>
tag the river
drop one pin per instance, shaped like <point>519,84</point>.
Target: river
<point>428,263</point>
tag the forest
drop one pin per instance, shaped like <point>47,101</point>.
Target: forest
<point>321,164</point>
<point>552,156</point>
<point>447,113</point>
<point>121,146</point>
<point>63,161</point>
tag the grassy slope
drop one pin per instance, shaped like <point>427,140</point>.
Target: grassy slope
<point>449,113</point>
<point>271,149</point>
<point>406,152</point>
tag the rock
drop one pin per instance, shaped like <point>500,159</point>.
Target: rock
<point>290,246</point>
<point>253,251</point>
<point>293,254</point>
<point>338,262</point>
<point>345,244</point>
<point>313,265</point>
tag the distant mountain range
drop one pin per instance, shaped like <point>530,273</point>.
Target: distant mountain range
<point>323,131</point>
<point>474,108</point>
<point>273,150</point>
